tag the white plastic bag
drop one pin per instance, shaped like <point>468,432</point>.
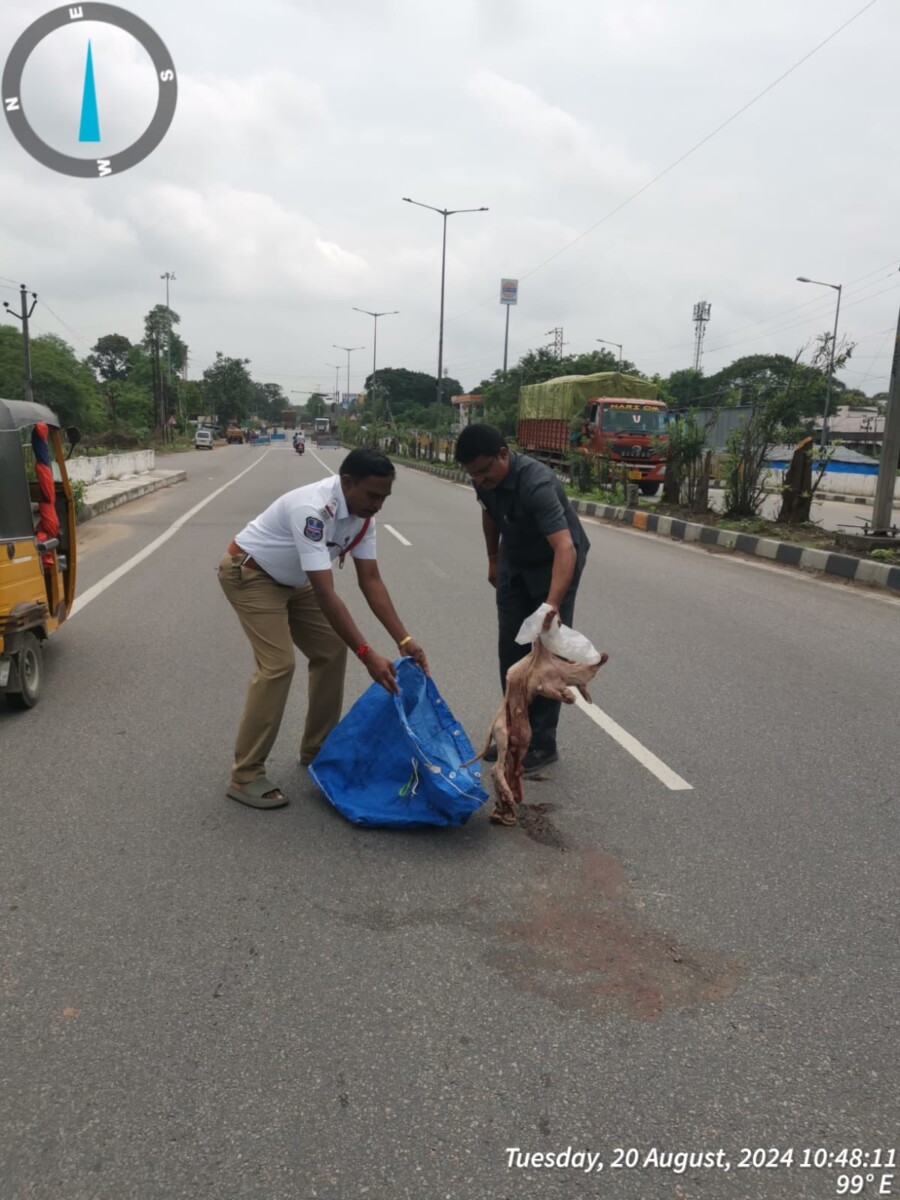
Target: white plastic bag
<point>559,639</point>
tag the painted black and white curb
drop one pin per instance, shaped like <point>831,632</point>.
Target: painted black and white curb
<point>844,566</point>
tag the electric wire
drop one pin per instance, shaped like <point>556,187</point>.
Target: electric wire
<point>687,154</point>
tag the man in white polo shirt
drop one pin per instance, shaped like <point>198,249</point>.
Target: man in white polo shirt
<point>277,576</point>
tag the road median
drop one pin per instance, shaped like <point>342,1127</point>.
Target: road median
<point>807,558</point>
<point>107,494</point>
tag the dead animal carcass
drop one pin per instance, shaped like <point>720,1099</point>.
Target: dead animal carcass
<point>540,673</point>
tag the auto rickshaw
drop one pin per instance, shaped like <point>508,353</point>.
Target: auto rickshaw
<point>37,544</point>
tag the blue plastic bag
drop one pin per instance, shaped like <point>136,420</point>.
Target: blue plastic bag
<point>395,761</point>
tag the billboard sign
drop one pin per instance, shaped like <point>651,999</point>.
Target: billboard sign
<point>509,291</point>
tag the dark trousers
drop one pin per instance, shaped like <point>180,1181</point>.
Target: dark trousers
<point>519,593</point>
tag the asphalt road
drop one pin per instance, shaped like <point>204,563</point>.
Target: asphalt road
<point>202,1000</point>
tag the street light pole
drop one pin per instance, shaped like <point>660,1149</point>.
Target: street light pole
<point>167,276</point>
<point>837,287</point>
<point>445,213</point>
<point>337,368</point>
<point>349,350</point>
<point>618,344</point>
<point>376,315</point>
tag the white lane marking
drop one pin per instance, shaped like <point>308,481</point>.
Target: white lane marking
<point>324,464</point>
<point>398,536</point>
<point>114,576</point>
<point>644,756</point>
<point>439,571</point>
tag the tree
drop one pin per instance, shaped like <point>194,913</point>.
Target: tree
<point>781,400</point>
<point>412,396</point>
<point>110,357</point>
<point>764,378</point>
<point>856,398</point>
<point>59,380</point>
<point>684,389</point>
<point>271,401</point>
<point>228,390</point>
<point>161,341</point>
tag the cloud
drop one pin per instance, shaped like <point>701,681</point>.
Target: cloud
<point>275,196</point>
<point>243,244</point>
<point>257,117</point>
<point>571,147</point>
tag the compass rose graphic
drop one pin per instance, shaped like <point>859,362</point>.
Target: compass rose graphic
<point>90,124</point>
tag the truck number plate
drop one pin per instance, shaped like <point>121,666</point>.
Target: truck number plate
<point>635,475</point>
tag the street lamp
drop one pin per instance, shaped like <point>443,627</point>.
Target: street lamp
<point>837,287</point>
<point>349,350</point>
<point>337,367</point>
<point>445,213</point>
<point>618,344</point>
<point>376,315</point>
<point>169,275</point>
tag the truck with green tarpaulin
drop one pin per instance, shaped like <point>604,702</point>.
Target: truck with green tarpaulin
<point>609,414</point>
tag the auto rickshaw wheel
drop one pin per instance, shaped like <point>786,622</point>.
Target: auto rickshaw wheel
<point>29,666</point>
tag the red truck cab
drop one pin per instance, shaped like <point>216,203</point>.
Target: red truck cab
<point>631,432</point>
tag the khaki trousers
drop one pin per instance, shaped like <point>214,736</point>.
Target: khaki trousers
<point>276,619</point>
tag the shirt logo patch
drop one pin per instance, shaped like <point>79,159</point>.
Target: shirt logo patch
<point>314,529</point>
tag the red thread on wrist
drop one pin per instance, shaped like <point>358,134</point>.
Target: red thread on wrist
<point>363,651</point>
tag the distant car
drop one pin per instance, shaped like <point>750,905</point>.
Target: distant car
<point>203,439</point>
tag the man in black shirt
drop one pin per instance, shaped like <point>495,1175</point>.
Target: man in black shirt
<point>536,550</point>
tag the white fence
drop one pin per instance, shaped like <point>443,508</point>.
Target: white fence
<point>840,483</point>
<point>111,466</point>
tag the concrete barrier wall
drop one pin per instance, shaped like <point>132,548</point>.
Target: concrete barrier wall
<point>840,483</point>
<point>111,466</point>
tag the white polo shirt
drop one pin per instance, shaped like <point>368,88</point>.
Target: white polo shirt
<point>304,530</point>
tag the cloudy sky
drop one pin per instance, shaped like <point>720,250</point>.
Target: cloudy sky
<point>275,198</point>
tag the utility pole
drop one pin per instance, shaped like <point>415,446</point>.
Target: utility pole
<point>890,449</point>
<point>26,338</point>
<point>558,343</point>
<point>393,313</point>
<point>702,310</point>
<point>336,394</point>
<point>167,276</point>
<point>349,350</point>
<point>835,287</point>
<point>445,213</point>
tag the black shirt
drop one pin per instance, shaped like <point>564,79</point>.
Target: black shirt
<point>528,505</point>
